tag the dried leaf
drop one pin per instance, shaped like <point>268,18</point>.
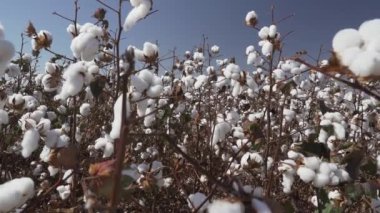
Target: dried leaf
<point>100,13</point>
<point>30,30</point>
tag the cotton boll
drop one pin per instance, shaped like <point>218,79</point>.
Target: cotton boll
<point>251,19</point>
<point>85,109</point>
<point>325,168</point>
<point>339,131</point>
<point>215,49</point>
<point>321,180</point>
<point>224,206</point>
<point>306,174</point>
<point>7,51</point>
<point>4,119</point>
<point>220,131</point>
<point>264,32</point>
<point>267,48</point>
<point>138,12</point>
<point>64,191</point>
<point>348,55</point>
<point>201,80</point>
<point>85,46</point>
<point>272,31</point>
<point>117,110</point>
<point>106,144</point>
<point>345,39</point>
<point>369,30</point>
<point>312,162</point>
<point>195,201</point>
<point>150,50</point>
<point>15,193</point>
<point>13,70</point>
<point>150,117</point>
<point>154,91</point>
<point>138,83</point>
<point>260,206</point>
<point>366,64</point>
<point>30,142</point>
<point>287,182</point>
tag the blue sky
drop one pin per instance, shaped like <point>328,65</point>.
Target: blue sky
<point>181,23</point>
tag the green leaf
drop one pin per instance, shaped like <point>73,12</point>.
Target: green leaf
<point>369,168</point>
<point>330,208</point>
<point>318,149</point>
<point>354,191</point>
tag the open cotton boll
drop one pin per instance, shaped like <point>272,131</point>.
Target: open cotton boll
<point>4,119</point>
<point>154,91</point>
<point>117,110</point>
<point>195,200</point>
<point>15,193</point>
<point>106,144</point>
<point>215,49</point>
<point>139,84</point>
<point>232,71</point>
<point>201,79</point>
<point>287,182</point>
<point>306,174</point>
<point>85,46</point>
<point>85,109</point>
<point>13,70</point>
<point>366,63</point>
<point>64,191</point>
<point>272,31</point>
<point>370,30</point>
<point>260,206</point>
<point>339,131</point>
<point>220,131</point>
<point>7,50</point>
<point>150,117</point>
<point>224,206</point>
<point>312,162</point>
<point>264,32</point>
<point>150,50</point>
<point>267,48</point>
<point>345,39</point>
<point>249,49</point>
<point>139,11</point>
<point>30,142</point>
<point>321,180</point>
<point>348,55</point>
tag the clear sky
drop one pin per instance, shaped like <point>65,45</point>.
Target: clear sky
<point>181,23</point>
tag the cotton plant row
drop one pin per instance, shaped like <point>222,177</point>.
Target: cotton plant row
<point>216,112</point>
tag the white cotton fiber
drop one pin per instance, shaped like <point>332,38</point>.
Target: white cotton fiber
<point>30,142</point>
<point>346,38</point>
<point>140,10</point>
<point>15,193</point>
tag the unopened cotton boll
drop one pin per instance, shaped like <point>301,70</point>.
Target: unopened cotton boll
<point>15,193</point>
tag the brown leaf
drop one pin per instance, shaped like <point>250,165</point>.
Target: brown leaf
<point>66,157</point>
<point>100,13</point>
<point>102,169</point>
<point>30,30</point>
